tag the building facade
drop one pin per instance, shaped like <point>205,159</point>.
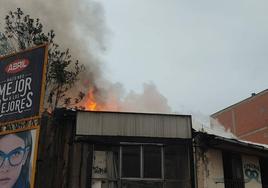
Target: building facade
<point>115,150</point>
<point>229,163</point>
<point>133,150</point>
<point>248,119</point>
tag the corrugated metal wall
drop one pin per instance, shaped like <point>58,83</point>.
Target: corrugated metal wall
<point>133,124</point>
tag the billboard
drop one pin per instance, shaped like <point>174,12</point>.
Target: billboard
<point>18,152</point>
<point>22,78</point>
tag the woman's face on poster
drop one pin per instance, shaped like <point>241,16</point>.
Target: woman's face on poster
<point>12,157</point>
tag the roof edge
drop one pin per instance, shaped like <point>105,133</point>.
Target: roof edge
<point>235,104</point>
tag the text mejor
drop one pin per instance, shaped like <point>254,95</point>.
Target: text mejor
<point>15,95</point>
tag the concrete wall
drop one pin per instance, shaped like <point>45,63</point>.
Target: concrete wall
<point>210,169</point>
<point>252,173</point>
<point>210,172</point>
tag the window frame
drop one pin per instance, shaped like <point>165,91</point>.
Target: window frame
<point>141,146</point>
<point>162,180</point>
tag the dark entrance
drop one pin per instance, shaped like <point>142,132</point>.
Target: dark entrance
<point>264,172</point>
<point>233,171</point>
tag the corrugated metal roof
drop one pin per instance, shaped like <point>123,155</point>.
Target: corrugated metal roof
<point>133,124</point>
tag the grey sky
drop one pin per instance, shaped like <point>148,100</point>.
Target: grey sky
<point>201,55</point>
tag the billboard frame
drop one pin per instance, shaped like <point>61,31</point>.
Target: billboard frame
<point>43,82</point>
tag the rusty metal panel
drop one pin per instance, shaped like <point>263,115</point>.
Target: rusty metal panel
<point>133,124</point>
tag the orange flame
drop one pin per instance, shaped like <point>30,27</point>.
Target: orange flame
<point>92,104</point>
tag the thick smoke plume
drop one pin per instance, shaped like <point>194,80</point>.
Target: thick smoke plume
<point>80,26</point>
<point>149,100</point>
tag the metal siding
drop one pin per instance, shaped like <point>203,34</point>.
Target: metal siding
<point>133,124</point>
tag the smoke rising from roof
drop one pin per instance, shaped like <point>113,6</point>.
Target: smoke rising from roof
<point>149,100</point>
<point>80,26</point>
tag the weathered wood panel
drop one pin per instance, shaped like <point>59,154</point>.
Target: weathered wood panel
<point>81,163</point>
<point>52,169</point>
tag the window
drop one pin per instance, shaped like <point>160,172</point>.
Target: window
<point>131,161</point>
<point>152,162</point>
<point>141,161</point>
<point>141,184</point>
<point>233,172</point>
<point>142,166</point>
<point>175,160</point>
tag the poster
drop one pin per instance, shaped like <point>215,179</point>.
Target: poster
<point>22,78</point>
<point>18,152</point>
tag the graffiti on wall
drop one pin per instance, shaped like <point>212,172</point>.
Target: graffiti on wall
<point>252,172</point>
<point>99,168</point>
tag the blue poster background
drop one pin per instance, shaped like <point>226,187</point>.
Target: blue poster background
<point>21,82</point>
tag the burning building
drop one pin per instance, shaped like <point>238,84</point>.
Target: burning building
<point>115,150</point>
<point>141,150</point>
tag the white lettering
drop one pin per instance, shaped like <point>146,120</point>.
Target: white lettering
<point>16,95</point>
<point>27,86</point>
<point>3,92</point>
<point>8,88</point>
<point>18,65</point>
<point>29,95</point>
